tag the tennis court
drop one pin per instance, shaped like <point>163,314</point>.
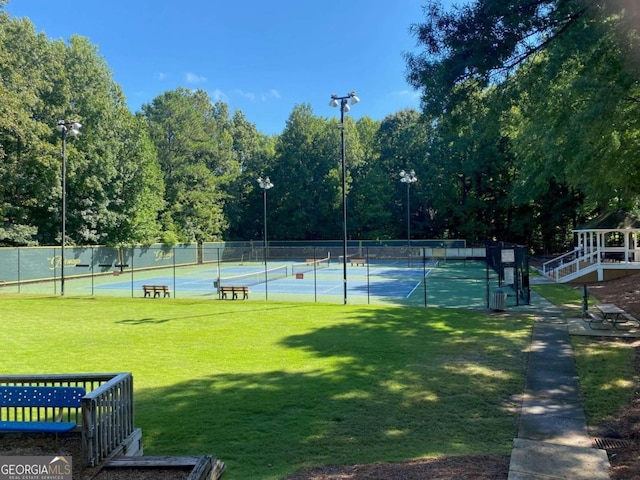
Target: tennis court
<point>387,274</point>
<point>429,282</point>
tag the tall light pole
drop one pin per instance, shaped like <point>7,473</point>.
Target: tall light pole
<point>66,127</point>
<point>343,103</point>
<point>265,184</point>
<point>408,178</point>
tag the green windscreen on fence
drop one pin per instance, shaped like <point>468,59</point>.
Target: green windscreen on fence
<point>420,274</point>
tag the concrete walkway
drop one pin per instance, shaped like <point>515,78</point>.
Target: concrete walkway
<point>553,442</point>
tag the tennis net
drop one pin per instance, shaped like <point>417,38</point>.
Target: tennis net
<point>254,278</point>
<point>309,265</point>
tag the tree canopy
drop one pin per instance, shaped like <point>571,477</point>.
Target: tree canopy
<point>561,79</point>
<point>529,125</point>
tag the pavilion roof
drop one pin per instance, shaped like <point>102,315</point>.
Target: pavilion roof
<point>614,220</point>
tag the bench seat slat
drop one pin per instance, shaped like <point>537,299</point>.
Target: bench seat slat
<point>24,396</point>
<point>27,396</point>
<point>37,427</point>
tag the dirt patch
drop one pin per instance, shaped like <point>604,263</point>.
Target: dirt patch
<point>69,444</point>
<point>66,444</point>
<point>143,474</point>
<point>624,292</point>
<point>476,467</point>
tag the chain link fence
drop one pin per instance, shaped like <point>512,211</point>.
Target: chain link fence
<point>420,274</point>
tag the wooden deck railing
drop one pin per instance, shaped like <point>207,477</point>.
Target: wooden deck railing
<point>105,418</point>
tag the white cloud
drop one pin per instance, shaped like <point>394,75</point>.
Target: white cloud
<point>411,94</point>
<point>248,95</point>
<point>194,78</point>
<point>219,96</point>
<point>263,96</point>
<point>237,93</point>
<point>162,76</point>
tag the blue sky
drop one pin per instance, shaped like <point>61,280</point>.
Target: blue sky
<point>261,57</point>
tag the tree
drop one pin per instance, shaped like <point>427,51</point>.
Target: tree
<point>587,129</point>
<point>565,87</point>
<point>573,127</point>
<point>255,154</point>
<point>484,40</point>
<point>42,82</point>
<point>29,185</point>
<point>137,188</point>
<point>370,215</point>
<point>403,141</point>
<point>114,191</point>
<point>470,171</point>
<point>195,152</point>
<point>304,193</point>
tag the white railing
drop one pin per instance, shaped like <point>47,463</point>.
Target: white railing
<point>551,267</point>
<point>577,263</point>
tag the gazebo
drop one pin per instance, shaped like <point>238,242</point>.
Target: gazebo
<point>607,247</point>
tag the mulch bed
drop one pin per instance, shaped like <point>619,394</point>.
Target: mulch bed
<point>16,444</point>
<point>476,467</point>
<point>67,444</point>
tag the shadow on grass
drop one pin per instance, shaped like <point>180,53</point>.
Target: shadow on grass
<point>383,386</point>
<point>219,312</point>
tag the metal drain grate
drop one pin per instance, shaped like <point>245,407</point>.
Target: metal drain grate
<point>611,443</point>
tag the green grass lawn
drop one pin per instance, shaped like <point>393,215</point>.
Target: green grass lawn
<point>607,375</point>
<point>270,388</point>
<point>567,297</point>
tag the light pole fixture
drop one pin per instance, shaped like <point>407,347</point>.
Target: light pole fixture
<point>343,103</point>
<point>265,184</point>
<point>408,178</point>
<point>66,127</point>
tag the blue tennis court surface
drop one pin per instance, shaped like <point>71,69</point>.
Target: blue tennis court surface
<point>449,283</point>
<point>387,281</point>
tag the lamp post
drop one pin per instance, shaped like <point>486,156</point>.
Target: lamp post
<point>343,103</point>
<point>66,127</point>
<point>408,178</point>
<point>265,184</point>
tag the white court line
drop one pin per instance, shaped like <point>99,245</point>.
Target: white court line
<point>418,284</point>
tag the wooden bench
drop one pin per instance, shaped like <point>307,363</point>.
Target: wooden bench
<point>156,290</point>
<point>234,291</point>
<point>358,261</point>
<point>23,398</point>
